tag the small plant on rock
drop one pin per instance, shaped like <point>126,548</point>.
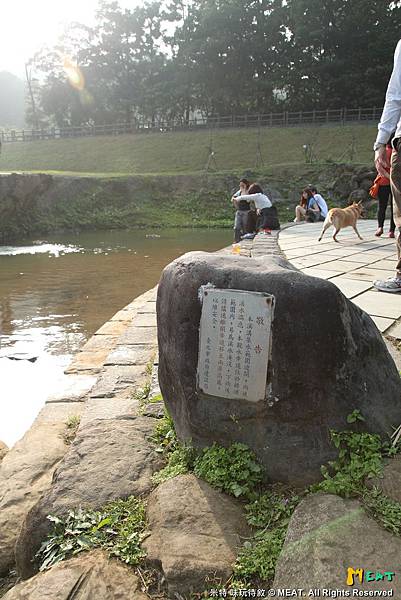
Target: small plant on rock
<point>233,470</point>
<point>71,428</point>
<point>270,513</point>
<point>179,456</point>
<point>164,434</point>
<point>180,462</point>
<point>117,528</point>
<point>359,458</point>
<point>385,511</point>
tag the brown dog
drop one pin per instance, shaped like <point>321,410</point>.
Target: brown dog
<point>342,217</point>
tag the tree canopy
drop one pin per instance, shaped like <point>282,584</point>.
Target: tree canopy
<point>168,59</point>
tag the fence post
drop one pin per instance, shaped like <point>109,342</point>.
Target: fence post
<point>314,116</point>
<point>359,114</point>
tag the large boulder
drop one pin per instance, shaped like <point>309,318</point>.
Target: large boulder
<point>25,473</point>
<point>196,532</point>
<point>109,459</point>
<point>85,577</point>
<point>325,537</point>
<point>327,359</point>
<point>390,479</point>
<point>3,450</point>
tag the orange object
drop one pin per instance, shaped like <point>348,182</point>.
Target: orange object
<point>236,248</point>
<point>374,190</point>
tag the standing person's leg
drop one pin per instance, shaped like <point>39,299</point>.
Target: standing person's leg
<point>392,224</point>
<point>395,180</point>
<point>244,221</point>
<point>237,227</point>
<point>382,198</point>
<point>394,283</point>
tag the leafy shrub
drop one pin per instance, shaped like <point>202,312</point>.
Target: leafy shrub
<point>180,461</point>
<point>164,434</point>
<point>270,513</point>
<point>258,557</point>
<point>233,470</point>
<point>274,508</point>
<point>117,528</point>
<point>359,458</point>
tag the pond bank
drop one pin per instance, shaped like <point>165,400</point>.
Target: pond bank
<point>98,388</point>
<point>36,204</point>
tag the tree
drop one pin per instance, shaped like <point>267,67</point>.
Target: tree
<point>341,52</point>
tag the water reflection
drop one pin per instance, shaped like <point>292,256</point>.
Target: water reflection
<point>55,295</point>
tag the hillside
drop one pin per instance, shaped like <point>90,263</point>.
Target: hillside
<point>187,152</point>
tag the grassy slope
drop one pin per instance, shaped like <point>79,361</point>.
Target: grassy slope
<point>186,152</point>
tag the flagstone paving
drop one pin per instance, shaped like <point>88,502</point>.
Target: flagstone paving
<point>351,264</point>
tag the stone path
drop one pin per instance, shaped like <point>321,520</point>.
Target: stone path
<point>101,383</point>
<point>352,265</point>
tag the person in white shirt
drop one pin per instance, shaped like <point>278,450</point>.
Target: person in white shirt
<point>391,121</point>
<point>261,201</point>
<point>321,202</point>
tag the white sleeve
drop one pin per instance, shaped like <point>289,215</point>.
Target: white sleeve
<point>392,108</point>
<point>248,197</point>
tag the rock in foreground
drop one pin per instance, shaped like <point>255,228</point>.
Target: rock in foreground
<point>327,358</point>
<point>3,450</point>
<point>109,459</point>
<point>326,535</point>
<point>25,473</point>
<point>195,533</point>
<point>86,577</point>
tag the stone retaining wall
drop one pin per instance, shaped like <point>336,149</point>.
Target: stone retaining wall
<point>101,384</point>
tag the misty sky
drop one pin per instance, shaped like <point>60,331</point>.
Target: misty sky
<point>26,25</point>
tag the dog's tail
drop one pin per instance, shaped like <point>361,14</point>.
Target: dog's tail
<point>327,223</point>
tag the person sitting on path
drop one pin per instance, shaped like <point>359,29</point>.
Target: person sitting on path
<point>262,204</point>
<point>382,191</point>
<point>242,206</point>
<point>308,208</point>
<point>321,203</point>
<point>390,121</point>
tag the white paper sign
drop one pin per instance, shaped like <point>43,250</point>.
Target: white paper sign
<point>234,343</point>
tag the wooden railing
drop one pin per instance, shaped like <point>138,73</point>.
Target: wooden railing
<point>283,119</point>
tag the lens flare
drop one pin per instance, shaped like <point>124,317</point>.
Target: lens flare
<point>74,73</point>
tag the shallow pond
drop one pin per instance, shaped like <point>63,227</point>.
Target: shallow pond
<point>55,294</point>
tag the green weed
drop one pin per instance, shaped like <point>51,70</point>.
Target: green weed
<point>233,470</point>
<point>359,458</point>
<point>117,528</point>
<point>270,513</point>
<point>384,510</point>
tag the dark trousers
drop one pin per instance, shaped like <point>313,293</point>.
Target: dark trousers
<point>384,197</point>
<point>262,219</point>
